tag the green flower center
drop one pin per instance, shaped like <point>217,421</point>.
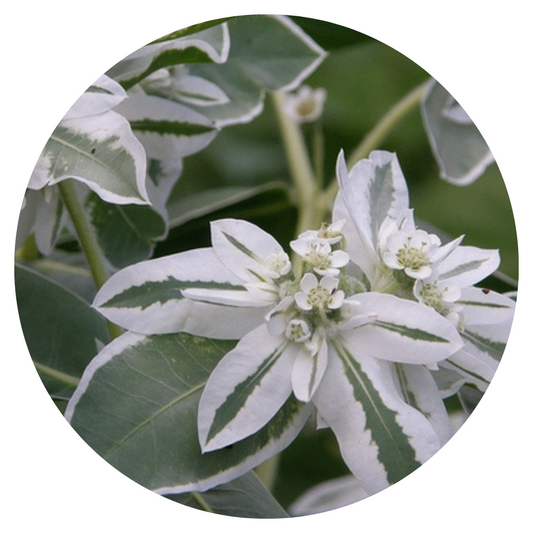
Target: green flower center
<point>414,258</point>
<point>319,297</point>
<point>432,296</point>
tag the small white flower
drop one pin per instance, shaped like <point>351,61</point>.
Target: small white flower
<point>298,330</point>
<point>320,296</point>
<point>317,253</point>
<point>439,294</point>
<point>277,265</point>
<point>442,296</point>
<point>306,105</point>
<point>411,252</point>
<point>332,233</point>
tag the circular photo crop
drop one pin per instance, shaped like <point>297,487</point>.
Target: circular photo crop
<point>266,266</point>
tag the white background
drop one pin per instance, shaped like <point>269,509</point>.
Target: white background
<point>52,50</point>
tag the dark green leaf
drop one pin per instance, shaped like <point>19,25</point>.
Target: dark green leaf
<point>245,497</point>
<point>126,233</point>
<point>137,406</point>
<point>61,330</point>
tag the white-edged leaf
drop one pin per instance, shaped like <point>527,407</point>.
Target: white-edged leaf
<point>44,216</point>
<point>484,346</point>
<point>243,247</point>
<point>469,368</point>
<point>487,339</point>
<point>244,497</point>
<point>458,147</point>
<point>447,379</point>
<point>246,389</point>
<point>372,190</point>
<point>147,297</point>
<point>136,407</point>
<point>103,95</point>
<point>210,45</point>
<point>403,331</point>
<point>483,306</point>
<point>355,246</point>
<point>95,145</point>
<point>328,495</point>
<point>468,265</point>
<point>419,390</point>
<point>198,92</point>
<point>267,53</point>
<point>381,438</point>
<point>307,372</point>
<point>100,151</point>
<point>54,319</point>
<point>168,130</point>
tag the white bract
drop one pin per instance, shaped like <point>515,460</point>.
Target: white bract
<point>363,330</point>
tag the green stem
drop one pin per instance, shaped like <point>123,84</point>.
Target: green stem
<point>300,168</point>
<point>201,500</point>
<point>377,135</point>
<point>87,240</point>
<point>318,154</point>
<point>62,377</point>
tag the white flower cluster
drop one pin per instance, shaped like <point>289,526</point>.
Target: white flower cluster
<point>404,248</point>
<point>372,324</point>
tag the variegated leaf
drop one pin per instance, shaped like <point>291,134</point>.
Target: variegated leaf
<point>328,495</point>
<point>43,215</point>
<point>209,44</point>
<point>246,389</point>
<point>100,151</point>
<point>459,148</point>
<point>484,346</point>
<point>102,96</point>
<point>470,368</point>
<point>167,129</point>
<point>148,297</point>
<point>487,341</point>
<point>244,497</point>
<point>267,53</point>
<point>136,406</point>
<point>468,265</point>
<point>382,439</point>
<point>483,306</point>
<point>54,319</point>
<point>419,390</point>
<point>403,331</point>
<point>243,247</point>
<point>371,191</point>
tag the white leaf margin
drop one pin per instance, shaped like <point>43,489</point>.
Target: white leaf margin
<point>274,446</point>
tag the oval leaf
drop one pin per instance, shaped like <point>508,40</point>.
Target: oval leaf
<point>136,406</point>
<point>54,320</point>
<point>100,151</point>
<point>459,148</point>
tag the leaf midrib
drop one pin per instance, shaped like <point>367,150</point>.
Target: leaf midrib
<point>152,417</point>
